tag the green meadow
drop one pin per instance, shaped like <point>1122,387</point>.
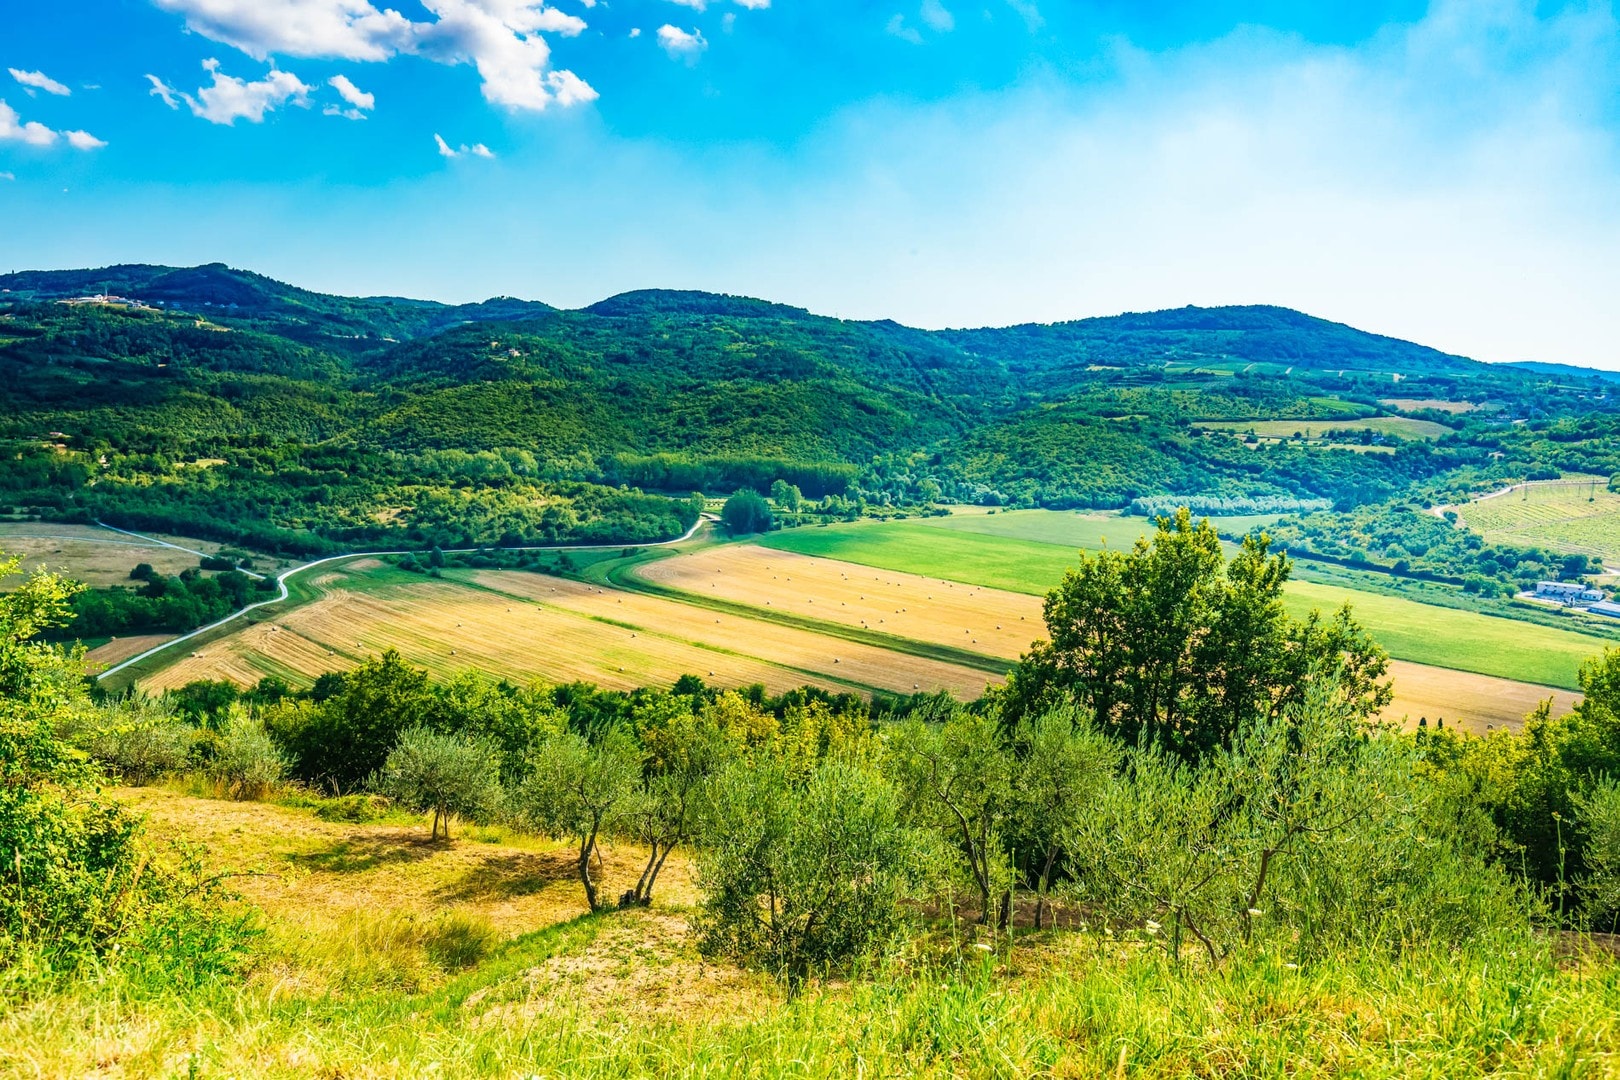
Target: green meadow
<point>969,549</point>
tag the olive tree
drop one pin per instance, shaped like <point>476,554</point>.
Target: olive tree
<point>1064,764</point>
<point>954,772</point>
<point>450,775</point>
<point>582,790</point>
<point>246,759</point>
<point>801,878</point>
<point>1598,813</point>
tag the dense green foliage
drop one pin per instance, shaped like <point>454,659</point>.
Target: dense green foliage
<point>250,411</point>
<point>80,882</point>
<point>1172,643</point>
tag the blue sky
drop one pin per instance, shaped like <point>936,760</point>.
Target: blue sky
<point>1445,172</point>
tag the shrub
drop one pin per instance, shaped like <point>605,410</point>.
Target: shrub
<point>1598,811</point>
<point>450,775</point>
<point>582,791</point>
<point>246,760</point>
<point>139,741</point>
<point>801,879</point>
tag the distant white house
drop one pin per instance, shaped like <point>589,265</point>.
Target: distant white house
<point>1569,592</point>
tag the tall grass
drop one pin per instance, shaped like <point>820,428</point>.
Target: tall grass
<point>1071,1006</point>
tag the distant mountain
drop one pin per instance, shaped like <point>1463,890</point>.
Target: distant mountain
<point>1193,335</point>
<point>218,289</point>
<point>1567,371</point>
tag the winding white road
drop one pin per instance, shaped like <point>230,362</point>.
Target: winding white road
<point>281,580</point>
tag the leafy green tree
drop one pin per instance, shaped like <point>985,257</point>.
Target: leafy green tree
<point>684,751</point>
<point>746,512</point>
<point>1597,811</point>
<point>786,495</point>
<point>347,739</point>
<point>247,761</point>
<point>803,878</point>
<point>78,882</point>
<point>1171,641</point>
<point>1064,763</point>
<point>954,773</point>
<point>453,776</point>
<point>582,791</point>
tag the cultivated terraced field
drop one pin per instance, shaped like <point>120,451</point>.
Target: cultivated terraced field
<point>1577,517</point>
<point>526,627</point>
<point>1002,623</point>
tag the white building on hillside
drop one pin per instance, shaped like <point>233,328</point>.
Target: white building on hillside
<point>1568,592</point>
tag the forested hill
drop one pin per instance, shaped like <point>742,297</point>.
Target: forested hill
<point>225,403</point>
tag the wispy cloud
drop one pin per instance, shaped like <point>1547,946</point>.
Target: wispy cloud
<point>32,133</point>
<point>230,99</point>
<point>38,80</point>
<point>358,100</point>
<point>448,151</point>
<point>681,44</point>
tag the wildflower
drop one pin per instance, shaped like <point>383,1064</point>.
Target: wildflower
<point>1152,927</point>
<point>982,947</point>
<point>1291,967</point>
<point>1255,913</point>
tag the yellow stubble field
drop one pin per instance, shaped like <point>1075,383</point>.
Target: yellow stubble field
<point>526,627</point>
<point>1003,624</point>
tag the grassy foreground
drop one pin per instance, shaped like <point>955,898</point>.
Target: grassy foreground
<point>1417,632</point>
<point>386,956</point>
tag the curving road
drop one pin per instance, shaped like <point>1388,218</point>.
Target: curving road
<point>281,581</point>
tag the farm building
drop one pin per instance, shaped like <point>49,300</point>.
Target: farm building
<point>1569,592</point>
<point>1606,607</point>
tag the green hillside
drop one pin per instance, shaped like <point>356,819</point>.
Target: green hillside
<point>324,422</point>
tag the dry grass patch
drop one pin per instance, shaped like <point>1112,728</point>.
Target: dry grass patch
<point>118,650</point>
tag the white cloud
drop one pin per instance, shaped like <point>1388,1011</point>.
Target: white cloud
<point>38,80</point>
<point>1029,12</point>
<point>161,89</point>
<point>503,39</point>
<point>32,133</point>
<point>753,5</point>
<point>8,176</point>
<point>359,101</point>
<point>448,151</point>
<point>938,17</point>
<point>352,93</point>
<point>635,31</point>
<point>230,99</point>
<point>681,44</point>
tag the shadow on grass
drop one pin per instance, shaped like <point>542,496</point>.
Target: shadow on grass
<point>508,874</point>
<point>359,853</point>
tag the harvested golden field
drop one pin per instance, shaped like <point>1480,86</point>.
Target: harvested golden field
<point>798,650</point>
<point>1002,624</point>
<point>1465,700</point>
<point>989,621</point>
<point>543,628</point>
<point>94,556</point>
<point>118,650</point>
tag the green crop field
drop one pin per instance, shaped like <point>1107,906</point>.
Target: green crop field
<point>1577,516</point>
<point>1397,427</point>
<point>1420,633</point>
<point>1076,530</point>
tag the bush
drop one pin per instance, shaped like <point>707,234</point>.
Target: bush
<point>803,879</point>
<point>746,512</point>
<point>450,775</point>
<point>138,741</point>
<point>1598,811</point>
<point>246,760</point>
